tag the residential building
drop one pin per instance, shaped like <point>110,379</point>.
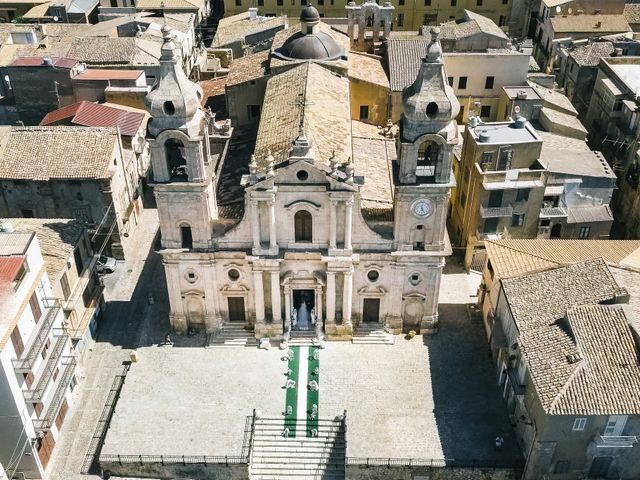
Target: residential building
<point>315,166</point>
<point>247,32</point>
<point>632,15</point>
<point>563,21</point>
<point>479,61</point>
<point>407,16</point>
<point>612,120</point>
<point>69,11</point>
<point>71,267</point>
<point>200,8</point>
<point>38,368</point>
<point>124,87</point>
<point>569,186</point>
<point>565,342</point>
<point>578,66</point>
<point>73,172</point>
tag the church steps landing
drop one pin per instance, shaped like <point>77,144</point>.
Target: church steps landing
<point>373,334</point>
<point>231,335</point>
<point>300,457</point>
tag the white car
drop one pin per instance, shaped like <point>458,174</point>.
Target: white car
<point>106,264</point>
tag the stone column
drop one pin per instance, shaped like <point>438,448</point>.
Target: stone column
<point>177,316</point>
<point>319,304</point>
<point>347,296</point>
<point>350,25</point>
<point>348,222</point>
<point>255,223</point>
<point>331,297</point>
<point>332,226</point>
<point>273,242</point>
<point>287,302</point>
<point>276,306</point>
<point>259,296</point>
<point>362,22</point>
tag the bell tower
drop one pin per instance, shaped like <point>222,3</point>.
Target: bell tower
<point>178,135</point>
<point>428,133</point>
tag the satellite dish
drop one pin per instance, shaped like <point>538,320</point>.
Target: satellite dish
<point>558,9</point>
<point>516,109</point>
<point>570,10</point>
<point>55,18</point>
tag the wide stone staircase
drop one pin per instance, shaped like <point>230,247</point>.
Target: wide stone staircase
<point>231,335</point>
<point>372,333</point>
<point>302,338</point>
<point>275,457</point>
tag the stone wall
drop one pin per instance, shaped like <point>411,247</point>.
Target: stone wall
<point>360,472</point>
<point>213,471</point>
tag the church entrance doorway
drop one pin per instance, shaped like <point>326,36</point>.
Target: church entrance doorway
<point>304,305</point>
<point>236,309</point>
<point>371,310</point>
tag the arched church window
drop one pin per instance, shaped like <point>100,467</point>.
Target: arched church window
<point>186,236</point>
<point>176,159</point>
<point>303,224</point>
<point>427,158</point>
<point>370,21</point>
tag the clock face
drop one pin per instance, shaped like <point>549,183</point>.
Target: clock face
<point>422,208</point>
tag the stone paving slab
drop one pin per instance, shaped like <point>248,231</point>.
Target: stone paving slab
<point>194,401</point>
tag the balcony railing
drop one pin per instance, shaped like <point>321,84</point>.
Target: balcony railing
<point>77,331</point>
<point>496,212</point>
<point>36,393</point>
<point>503,181</point>
<point>553,212</point>
<point>28,358</point>
<point>43,424</point>
<point>609,441</point>
<point>492,235</point>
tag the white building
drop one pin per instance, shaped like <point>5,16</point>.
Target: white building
<point>37,366</point>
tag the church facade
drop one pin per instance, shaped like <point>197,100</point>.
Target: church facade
<point>315,218</point>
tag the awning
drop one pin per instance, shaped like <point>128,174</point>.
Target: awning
<point>554,190</point>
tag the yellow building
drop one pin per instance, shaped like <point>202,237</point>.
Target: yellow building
<point>408,15</point>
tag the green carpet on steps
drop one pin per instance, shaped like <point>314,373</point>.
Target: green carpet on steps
<point>313,397</point>
<point>292,393</point>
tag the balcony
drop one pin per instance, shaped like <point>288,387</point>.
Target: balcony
<point>513,179</point>
<point>492,235</point>
<point>25,363</point>
<point>553,212</point>
<point>608,441</point>
<point>496,212</point>
<point>35,394</point>
<point>44,424</point>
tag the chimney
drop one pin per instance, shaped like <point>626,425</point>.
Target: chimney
<point>521,95</point>
<point>6,227</point>
<point>617,52</point>
<point>253,13</point>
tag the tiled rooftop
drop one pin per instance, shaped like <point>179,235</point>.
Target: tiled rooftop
<point>236,27</point>
<point>539,302</point>
<point>315,94</point>
<point>572,156</point>
<point>103,50</point>
<point>57,238</point>
<point>43,153</point>
<point>590,55</point>
<point>632,13</point>
<point>242,70</point>
<point>592,24</point>
<point>368,68</point>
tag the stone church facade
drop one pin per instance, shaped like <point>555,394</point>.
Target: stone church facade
<point>323,211</point>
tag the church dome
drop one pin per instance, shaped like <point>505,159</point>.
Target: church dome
<point>309,14</point>
<point>310,46</point>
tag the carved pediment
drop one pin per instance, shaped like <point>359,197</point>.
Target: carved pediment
<point>303,173</point>
<point>234,288</point>
<point>372,290</point>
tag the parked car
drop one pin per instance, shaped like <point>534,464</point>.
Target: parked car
<point>106,264</point>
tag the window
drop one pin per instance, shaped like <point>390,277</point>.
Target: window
<point>280,3</point>
<point>303,226</point>
<point>522,195</point>
<point>463,199</point>
<point>502,21</point>
<point>504,162</point>
<point>517,219</point>
<point>22,273</point>
<point>320,2</point>
<point>238,3</point>
<point>176,159</point>
<point>466,174</point>
<point>400,2</point>
<point>505,2</point>
<point>427,3</point>
<point>485,111</point>
<point>373,275</point>
<point>34,304</point>
<point>28,213</point>
<point>16,339</point>
<point>450,80</point>
<point>488,82</point>
<point>64,284</point>
<point>186,236</point>
<point>479,3</point>
<point>364,111</point>
<point>562,466</point>
<point>233,275</point>
<point>486,161</point>
<point>615,425</point>
<point>302,175</point>
<point>414,279</point>
<point>584,232</point>
<point>579,424</point>
<point>426,18</point>
<point>261,3</point>
<point>293,2</point>
<point>114,3</point>
<point>400,19</point>
<point>454,3</point>
<point>253,111</point>
<point>462,83</point>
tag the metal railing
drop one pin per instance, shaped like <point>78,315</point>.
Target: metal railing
<point>81,284</point>
<point>496,212</point>
<point>28,358</point>
<point>44,423</point>
<point>36,393</point>
<point>553,212</point>
<point>173,459</point>
<point>434,462</point>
